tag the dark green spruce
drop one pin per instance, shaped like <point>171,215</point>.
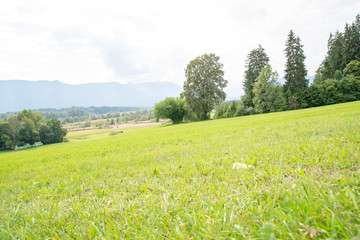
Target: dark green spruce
<point>295,72</point>
<point>256,60</point>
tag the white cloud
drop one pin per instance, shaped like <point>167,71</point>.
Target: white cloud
<point>135,41</point>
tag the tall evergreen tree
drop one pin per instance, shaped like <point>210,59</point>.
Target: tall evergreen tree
<point>256,60</point>
<point>352,41</point>
<point>335,59</point>
<point>342,49</point>
<point>295,71</point>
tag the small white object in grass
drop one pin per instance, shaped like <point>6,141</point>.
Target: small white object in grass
<point>241,165</point>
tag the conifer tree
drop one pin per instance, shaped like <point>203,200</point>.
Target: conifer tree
<point>342,49</point>
<point>295,71</point>
<point>335,59</point>
<point>256,60</point>
<point>352,41</point>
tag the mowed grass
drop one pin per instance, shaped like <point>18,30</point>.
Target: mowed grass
<point>80,135</point>
<point>76,136</point>
<point>177,181</point>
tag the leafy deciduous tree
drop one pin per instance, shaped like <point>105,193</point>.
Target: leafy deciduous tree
<point>29,127</point>
<point>172,108</point>
<point>28,133</point>
<point>15,126</point>
<point>5,136</point>
<point>57,129</point>
<point>352,69</point>
<point>226,110</point>
<point>46,134</point>
<point>203,88</point>
<point>35,117</point>
<point>268,96</point>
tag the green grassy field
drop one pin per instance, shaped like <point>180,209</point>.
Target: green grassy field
<point>177,181</point>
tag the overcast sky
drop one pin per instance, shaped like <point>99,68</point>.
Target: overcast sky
<point>83,41</point>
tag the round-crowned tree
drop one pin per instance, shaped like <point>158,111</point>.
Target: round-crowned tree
<point>203,88</point>
<point>172,108</point>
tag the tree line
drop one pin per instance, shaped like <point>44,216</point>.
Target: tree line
<point>337,80</point>
<point>29,128</point>
<point>119,118</point>
<point>78,114</point>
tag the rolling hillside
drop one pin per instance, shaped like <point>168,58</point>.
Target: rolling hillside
<point>178,181</point>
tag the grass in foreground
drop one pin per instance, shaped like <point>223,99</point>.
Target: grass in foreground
<point>178,181</point>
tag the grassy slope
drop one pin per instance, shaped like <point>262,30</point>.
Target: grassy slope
<point>178,182</point>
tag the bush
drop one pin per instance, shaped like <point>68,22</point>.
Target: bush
<point>332,91</point>
<point>172,108</point>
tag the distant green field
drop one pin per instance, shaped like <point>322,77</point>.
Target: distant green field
<point>88,134</point>
<point>177,181</point>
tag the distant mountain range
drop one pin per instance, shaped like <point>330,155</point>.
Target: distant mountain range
<point>16,95</point>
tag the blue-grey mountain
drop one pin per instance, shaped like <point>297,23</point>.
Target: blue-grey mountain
<point>20,94</point>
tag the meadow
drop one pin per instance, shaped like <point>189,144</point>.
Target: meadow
<point>177,181</point>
